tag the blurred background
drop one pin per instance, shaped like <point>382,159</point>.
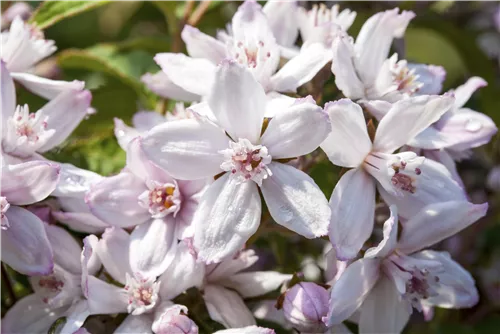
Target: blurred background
<point>111,46</point>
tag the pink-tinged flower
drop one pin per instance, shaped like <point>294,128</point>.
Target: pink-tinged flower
<point>404,179</point>
<point>397,275</point>
<point>225,285</point>
<point>249,42</point>
<point>25,246</point>
<point>71,190</point>
<point>282,19</point>
<point>23,45</point>
<point>363,70</point>
<point>321,24</point>
<point>21,9</point>
<point>143,194</point>
<point>25,133</point>
<point>226,139</point>
<point>147,265</point>
<point>305,305</point>
<point>247,330</point>
<point>58,293</point>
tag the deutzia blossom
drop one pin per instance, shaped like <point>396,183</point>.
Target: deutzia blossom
<point>250,43</point>
<point>25,246</point>
<point>25,133</point>
<point>225,285</point>
<point>58,293</point>
<point>397,275</point>
<point>405,179</point>
<point>247,330</point>
<point>151,278</point>
<point>229,143</point>
<point>362,69</point>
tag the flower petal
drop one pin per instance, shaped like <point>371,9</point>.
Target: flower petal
<point>255,283</point>
<point>152,247</point>
<point>389,242</point>
<point>124,133</point>
<point>28,182</point>
<point>301,68</point>
<point>348,143</point>
<point>226,307</point>
<point>346,78</point>
<point>457,288</point>
<point>464,92</point>
<point>250,22</point>
<point>350,225</point>
<point>65,248</point>
<point>444,157</point>
<point>134,324</point>
<point>195,75</point>
<point>246,330</point>
<point>431,76</point>
<point>351,289</point>
<point>434,185</point>
<point>238,101</point>
<point>44,87</point>
<point>295,201</point>
<point>65,112</point>
<point>76,316</point>
<point>183,146</point>
<point>139,164</point>
<point>104,298</point>
<point>146,120</point>
<point>200,45</point>
<point>437,222</point>
<point>113,249</point>
<point>407,118</point>
<point>289,131</point>
<point>231,266</point>
<point>25,246</point>
<point>8,94</point>
<point>283,21</point>
<point>115,200</point>
<point>161,84</point>
<point>383,311</point>
<point>228,214</point>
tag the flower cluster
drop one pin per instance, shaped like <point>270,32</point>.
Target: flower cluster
<point>188,202</point>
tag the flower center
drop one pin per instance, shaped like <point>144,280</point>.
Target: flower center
<point>161,199</point>
<point>397,173</point>
<point>50,286</point>
<point>422,285</point>
<point>247,161</point>
<point>142,293</point>
<point>26,132</point>
<point>250,54</point>
<point>4,206</point>
<point>405,79</point>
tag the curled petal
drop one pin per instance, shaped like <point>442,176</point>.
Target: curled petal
<point>464,92</point>
<point>389,242</point>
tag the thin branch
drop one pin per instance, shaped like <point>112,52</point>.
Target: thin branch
<point>8,285</point>
<point>188,10</point>
<point>195,18</point>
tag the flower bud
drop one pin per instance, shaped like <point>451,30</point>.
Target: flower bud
<point>174,320</point>
<point>305,305</point>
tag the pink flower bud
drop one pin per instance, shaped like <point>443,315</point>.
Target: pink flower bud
<point>305,305</point>
<point>173,321</point>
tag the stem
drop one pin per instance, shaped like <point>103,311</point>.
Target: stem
<point>188,10</point>
<point>10,290</point>
<point>198,13</point>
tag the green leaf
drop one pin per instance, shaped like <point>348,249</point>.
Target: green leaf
<point>51,12</point>
<point>127,67</point>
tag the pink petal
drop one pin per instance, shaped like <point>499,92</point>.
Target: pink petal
<point>65,248</point>
<point>113,250</point>
<point>389,242</point>
<point>227,307</point>
<point>464,92</point>
<point>8,94</point>
<point>162,85</point>
<point>200,45</point>
<point>256,283</point>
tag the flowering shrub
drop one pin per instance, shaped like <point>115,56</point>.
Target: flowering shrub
<point>237,167</point>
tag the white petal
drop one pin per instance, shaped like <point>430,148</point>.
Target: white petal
<point>444,157</point>
<point>457,288</point>
<point>228,214</point>
<point>113,249</point>
<point>250,22</point>
<point>238,101</point>
<point>277,102</point>
<point>388,243</point>
<point>351,289</point>
<point>47,88</point>
<point>184,270</point>
<point>346,78</point>
<point>124,133</point>
<point>194,75</point>
<point>351,225</point>
<point>76,316</point>
<point>302,68</point>
<point>289,131</point>
<point>255,283</point>
<point>162,85</point>
<point>430,139</point>
<point>8,94</point>
<point>377,108</point>
<point>464,92</point>
<point>89,261</point>
<point>375,38</point>
<point>434,185</point>
<point>295,201</point>
<point>281,16</point>
<point>152,247</point>
<point>407,118</point>
<point>431,76</point>
<point>348,144</point>
<point>182,147</point>
<point>65,248</point>
<point>200,45</point>
<point>246,330</point>
<point>231,266</point>
<point>134,324</point>
<point>383,311</point>
<point>437,222</point>
<point>139,164</point>
<point>75,182</point>
<point>146,120</point>
<point>226,307</point>
<point>104,298</point>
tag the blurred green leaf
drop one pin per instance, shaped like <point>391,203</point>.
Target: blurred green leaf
<point>126,67</point>
<point>51,12</point>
